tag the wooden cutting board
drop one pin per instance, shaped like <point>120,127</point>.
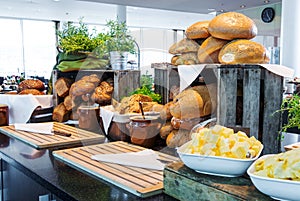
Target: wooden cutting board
<point>40,141</point>
<point>139,181</point>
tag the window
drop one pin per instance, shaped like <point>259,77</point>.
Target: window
<point>27,46</point>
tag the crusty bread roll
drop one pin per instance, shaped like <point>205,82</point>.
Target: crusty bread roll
<point>209,50</point>
<point>198,30</point>
<point>187,104</point>
<point>177,138</point>
<point>243,52</point>
<point>187,59</point>
<point>232,25</point>
<point>62,86</point>
<point>60,113</point>
<point>184,46</point>
<point>31,84</point>
<point>165,130</point>
<point>31,91</point>
<point>81,87</point>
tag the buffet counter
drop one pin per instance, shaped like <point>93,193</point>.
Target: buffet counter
<point>34,174</point>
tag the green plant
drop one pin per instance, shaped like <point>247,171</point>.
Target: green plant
<point>146,88</point>
<point>77,39</point>
<point>292,106</point>
<point>119,38</point>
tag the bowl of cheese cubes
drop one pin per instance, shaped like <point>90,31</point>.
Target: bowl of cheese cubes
<point>277,175</point>
<point>220,151</point>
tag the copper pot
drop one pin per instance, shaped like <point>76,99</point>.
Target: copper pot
<point>143,131</point>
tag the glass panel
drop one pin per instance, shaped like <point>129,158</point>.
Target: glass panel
<point>39,48</point>
<point>11,54</point>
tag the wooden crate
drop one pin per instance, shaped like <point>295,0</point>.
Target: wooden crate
<point>165,77</point>
<point>249,96</point>
<point>124,81</point>
<point>184,183</point>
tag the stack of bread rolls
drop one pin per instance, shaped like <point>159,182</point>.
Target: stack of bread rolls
<point>225,39</point>
<point>187,109</point>
<point>89,89</point>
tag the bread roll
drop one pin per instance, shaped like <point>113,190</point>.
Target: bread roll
<point>186,105</point>
<point>184,46</point>
<point>209,50</point>
<point>177,138</point>
<point>31,84</point>
<point>62,86</point>
<point>198,30</point>
<point>31,91</point>
<point>165,130</point>
<point>60,113</point>
<point>81,87</point>
<point>243,52</point>
<point>187,59</point>
<point>232,25</point>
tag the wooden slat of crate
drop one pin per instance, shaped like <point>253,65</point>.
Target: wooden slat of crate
<point>40,141</point>
<point>262,97</point>
<point>139,181</point>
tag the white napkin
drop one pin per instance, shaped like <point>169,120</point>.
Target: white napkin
<point>42,128</point>
<point>188,73</point>
<point>279,70</point>
<point>107,115</point>
<point>24,103</point>
<point>143,159</point>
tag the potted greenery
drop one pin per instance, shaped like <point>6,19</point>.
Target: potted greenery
<point>119,44</point>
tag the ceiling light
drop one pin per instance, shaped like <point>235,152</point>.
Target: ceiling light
<point>243,6</point>
<point>56,0</point>
<point>211,9</point>
<point>266,1</point>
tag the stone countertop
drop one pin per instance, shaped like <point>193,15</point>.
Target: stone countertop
<point>60,179</point>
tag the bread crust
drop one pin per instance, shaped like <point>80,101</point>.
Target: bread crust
<point>198,30</point>
<point>243,52</point>
<point>232,25</point>
<point>31,84</point>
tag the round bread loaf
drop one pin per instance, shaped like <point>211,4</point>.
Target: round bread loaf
<point>198,30</point>
<point>184,46</point>
<point>232,25</point>
<point>31,91</point>
<point>209,50</point>
<point>31,84</point>
<point>243,51</point>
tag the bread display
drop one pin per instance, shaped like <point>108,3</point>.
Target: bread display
<point>209,50</point>
<point>232,25</point>
<point>198,30</point>
<point>212,36</point>
<point>243,51</point>
<point>89,89</point>
<point>31,84</point>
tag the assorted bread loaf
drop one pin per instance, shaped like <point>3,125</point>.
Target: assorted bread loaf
<point>225,39</point>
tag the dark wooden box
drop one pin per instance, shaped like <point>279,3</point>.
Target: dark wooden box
<point>124,81</point>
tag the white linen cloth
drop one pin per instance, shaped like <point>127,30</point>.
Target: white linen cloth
<point>188,73</point>
<point>22,106</point>
<point>143,159</point>
<point>41,128</point>
<point>107,114</point>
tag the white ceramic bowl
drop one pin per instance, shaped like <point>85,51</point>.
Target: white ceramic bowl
<point>215,165</point>
<point>278,189</point>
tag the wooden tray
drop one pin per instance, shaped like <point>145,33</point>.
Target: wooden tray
<point>139,181</point>
<point>40,141</point>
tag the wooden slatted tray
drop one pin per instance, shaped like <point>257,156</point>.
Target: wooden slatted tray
<point>40,141</point>
<point>139,181</point>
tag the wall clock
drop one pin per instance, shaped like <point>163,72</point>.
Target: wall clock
<point>268,14</point>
